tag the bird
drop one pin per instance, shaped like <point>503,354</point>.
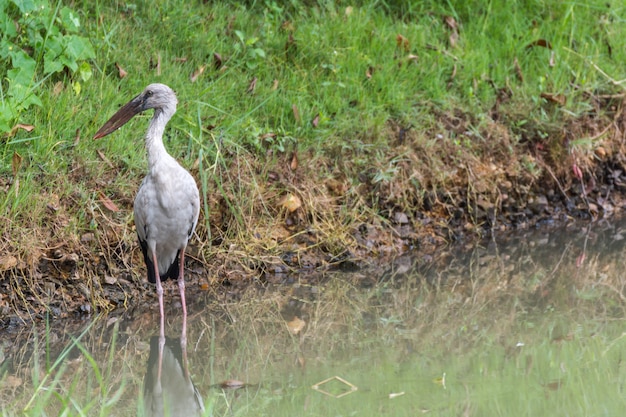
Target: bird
<point>167,204</point>
<point>167,387</point>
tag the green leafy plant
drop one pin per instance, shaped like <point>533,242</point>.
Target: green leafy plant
<point>37,41</point>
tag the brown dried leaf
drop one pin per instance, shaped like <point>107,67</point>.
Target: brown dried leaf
<point>7,262</point>
<point>158,66</point>
<point>552,63</point>
<point>16,163</point>
<point>294,161</point>
<point>232,384</point>
<point>121,72</point>
<point>291,202</point>
<point>58,87</point>
<point>453,38</point>
<point>369,72</point>
<point>316,120</point>
<point>451,22</point>
<point>21,126</point>
<point>217,60</point>
<point>252,86</point>
<point>77,137</point>
<point>296,325</point>
<point>539,42</point>
<point>275,85</point>
<point>559,99</point>
<point>194,76</point>
<point>267,135</point>
<point>402,42</point>
<point>106,201</point>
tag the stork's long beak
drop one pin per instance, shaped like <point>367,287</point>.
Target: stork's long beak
<point>122,116</point>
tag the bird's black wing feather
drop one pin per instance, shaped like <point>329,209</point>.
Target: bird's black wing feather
<point>172,271</point>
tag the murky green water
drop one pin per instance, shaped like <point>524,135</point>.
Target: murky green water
<point>532,326</point>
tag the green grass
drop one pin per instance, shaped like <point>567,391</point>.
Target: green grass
<point>336,60</point>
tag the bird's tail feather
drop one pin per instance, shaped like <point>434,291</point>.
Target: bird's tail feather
<point>172,271</point>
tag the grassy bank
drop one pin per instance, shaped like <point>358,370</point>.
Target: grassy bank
<point>320,133</point>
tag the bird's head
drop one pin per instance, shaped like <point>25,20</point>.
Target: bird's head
<point>155,96</point>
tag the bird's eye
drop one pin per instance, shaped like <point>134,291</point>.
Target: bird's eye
<point>149,93</point>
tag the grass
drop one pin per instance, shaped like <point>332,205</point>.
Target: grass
<point>422,109</point>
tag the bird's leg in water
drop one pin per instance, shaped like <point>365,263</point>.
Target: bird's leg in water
<point>159,289</point>
<point>181,287</point>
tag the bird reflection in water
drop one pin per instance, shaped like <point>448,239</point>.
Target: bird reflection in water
<point>168,389</point>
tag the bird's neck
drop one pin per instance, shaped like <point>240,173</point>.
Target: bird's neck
<point>154,138</point>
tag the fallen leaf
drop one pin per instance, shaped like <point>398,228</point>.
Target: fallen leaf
<point>291,202</point>
<point>369,72</point>
<point>268,135</point>
<point>539,42</point>
<point>395,394</point>
<point>181,59</point>
<point>58,87</point>
<point>294,161</point>
<point>275,85</point>
<point>453,38</point>
<point>106,201</point>
<point>252,86</point>
<point>348,11</point>
<point>19,126</point>
<point>217,60</point>
<point>77,137</point>
<point>16,163</point>
<point>108,279</point>
<point>121,72</point>
<point>194,76</point>
<point>7,262</point>
<point>232,384</point>
<point>552,63</point>
<point>316,120</point>
<point>296,325</point>
<point>158,66</point>
<point>402,42</point>
<point>450,22</point>
<point>412,57</point>
<point>296,113</point>
<point>555,98</point>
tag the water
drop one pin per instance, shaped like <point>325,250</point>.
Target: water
<point>531,325</point>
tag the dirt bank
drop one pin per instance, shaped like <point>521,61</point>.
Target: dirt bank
<point>459,179</point>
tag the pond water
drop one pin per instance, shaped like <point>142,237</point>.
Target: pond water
<point>531,325</point>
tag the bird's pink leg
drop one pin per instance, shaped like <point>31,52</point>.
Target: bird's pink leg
<point>181,287</point>
<point>159,288</point>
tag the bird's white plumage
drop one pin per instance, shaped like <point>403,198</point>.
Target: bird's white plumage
<point>166,210</point>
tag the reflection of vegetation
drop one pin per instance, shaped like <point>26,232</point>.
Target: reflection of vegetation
<point>524,328</point>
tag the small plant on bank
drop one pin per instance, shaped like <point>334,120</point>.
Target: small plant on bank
<point>38,40</point>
